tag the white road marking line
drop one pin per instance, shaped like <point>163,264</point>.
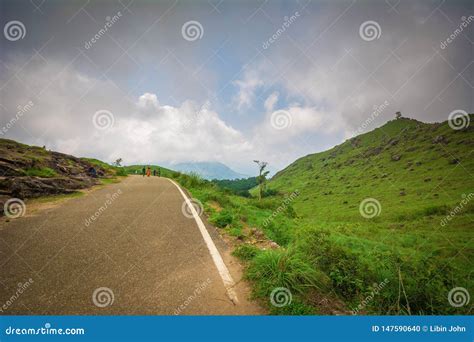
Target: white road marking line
<point>216,257</point>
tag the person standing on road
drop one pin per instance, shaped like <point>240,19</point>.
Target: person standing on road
<point>154,172</point>
<point>143,172</point>
<point>148,172</point>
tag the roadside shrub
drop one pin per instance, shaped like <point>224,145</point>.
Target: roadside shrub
<point>283,268</point>
<point>245,252</point>
<point>278,231</point>
<point>347,273</point>
<point>217,196</point>
<point>267,203</point>
<point>191,180</point>
<point>222,219</point>
<point>295,308</point>
<point>120,171</point>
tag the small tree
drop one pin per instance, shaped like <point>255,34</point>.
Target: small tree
<point>118,162</point>
<point>398,115</point>
<point>262,177</point>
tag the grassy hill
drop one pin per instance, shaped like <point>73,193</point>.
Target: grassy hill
<point>403,257</point>
<point>419,173</point>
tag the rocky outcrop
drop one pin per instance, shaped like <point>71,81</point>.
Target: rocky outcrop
<point>30,171</point>
<point>27,187</point>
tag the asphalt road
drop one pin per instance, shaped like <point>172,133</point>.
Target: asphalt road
<point>139,256</point>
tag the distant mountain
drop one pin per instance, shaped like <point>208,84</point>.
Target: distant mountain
<point>208,170</point>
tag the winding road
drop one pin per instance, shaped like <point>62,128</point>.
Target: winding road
<point>123,249</point>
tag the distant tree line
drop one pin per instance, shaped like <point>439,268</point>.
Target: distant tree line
<point>239,187</point>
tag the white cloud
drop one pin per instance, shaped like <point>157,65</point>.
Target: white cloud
<point>144,130</point>
<point>247,87</point>
<point>271,101</point>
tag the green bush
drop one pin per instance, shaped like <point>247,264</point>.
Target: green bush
<point>283,268</point>
<point>296,307</point>
<point>222,219</point>
<point>217,196</point>
<point>44,172</point>
<point>245,252</point>
<point>278,231</point>
<point>191,180</point>
<point>120,171</point>
<point>243,193</point>
<point>270,192</point>
<point>267,203</point>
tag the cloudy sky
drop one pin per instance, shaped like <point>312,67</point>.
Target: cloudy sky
<point>230,81</point>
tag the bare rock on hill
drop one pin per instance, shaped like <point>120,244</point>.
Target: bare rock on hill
<point>273,245</point>
<point>439,139</point>
<point>27,187</point>
<point>373,151</point>
<point>454,161</point>
<point>355,142</point>
<point>393,142</point>
<point>31,171</point>
<point>257,233</point>
<point>396,157</point>
<point>9,170</point>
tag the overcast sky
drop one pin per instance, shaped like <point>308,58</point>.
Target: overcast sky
<point>229,81</point>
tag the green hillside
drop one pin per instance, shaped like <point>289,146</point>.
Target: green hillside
<point>418,173</point>
<point>403,260</point>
